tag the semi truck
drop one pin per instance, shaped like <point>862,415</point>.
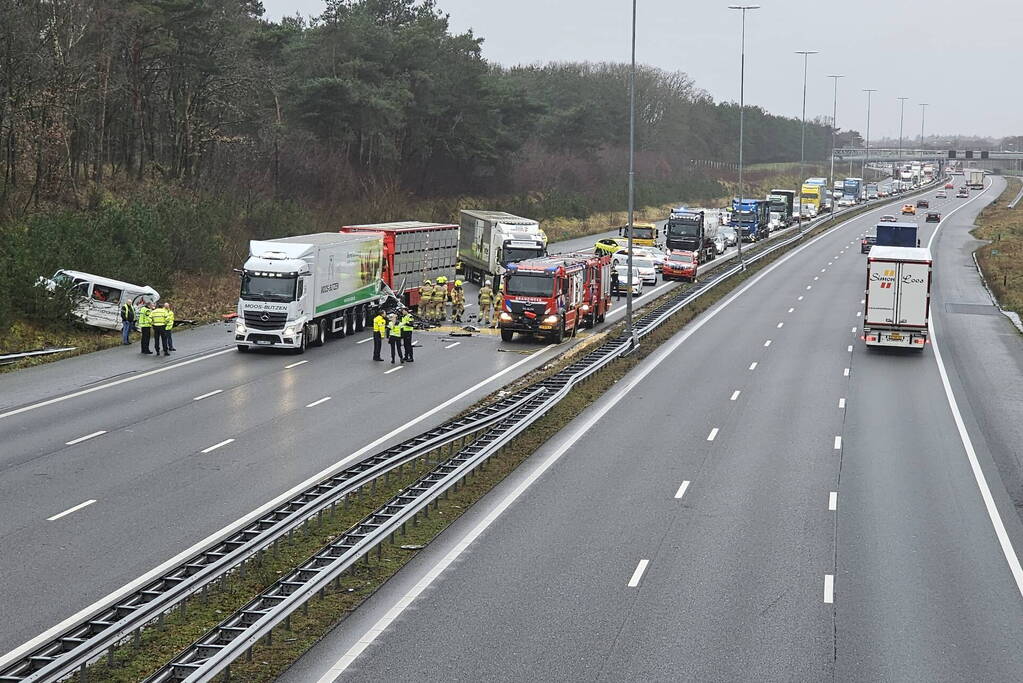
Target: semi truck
<point>898,297</point>
<point>751,218</point>
<point>975,178</point>
<point>852,188</point>
<point>872,191</point>
<point>691,231</point>
<point>783,203</point>
<point>896,234</point>
<point>489,240</point>
<point>297,291</point>
<point>643,234</point>
<point>826,198</point>
<point>413,252</point>
<point>811,199</point>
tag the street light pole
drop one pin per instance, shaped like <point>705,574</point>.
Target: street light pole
<point>834,126</point>
<point>923,111</point>
<point>902,114</point>
<point>629,329</point>
<point>863,167</point>
<point>742,109</point>
<point>802,135</point>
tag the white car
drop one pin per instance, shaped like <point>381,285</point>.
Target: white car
<point>846,201</point>
<point>652,253</point>
<point>941,195</point>
<point>731,237</point>
<point>720,243</point>
<point>643,264</point>
<point>625,282</point>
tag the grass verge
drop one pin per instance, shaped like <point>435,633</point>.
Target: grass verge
<point>157,645</point>
<point>1001,260</point>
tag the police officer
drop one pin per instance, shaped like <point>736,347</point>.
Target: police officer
<point>457,302</point>
<point>407,324</point>
<point>486,303</point>
<point>614,284</point>
<point>168,339</point>
<point>127,321</point>
<point>440,298</point>
<point>425,299</point>
<point>379,332</point>
<point>394,337</point>
<point>145,325</point>
<point>158,318</point>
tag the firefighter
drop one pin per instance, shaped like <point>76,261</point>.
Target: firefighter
<point>425,299</point>
<point>457,302</point>
<point>379,332</point>
<point>486,303</point>
<point>406,333</point>
<point>440,299</point>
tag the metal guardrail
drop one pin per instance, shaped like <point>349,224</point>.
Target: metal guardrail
<point>113,624</point>
<point>1014,202</point>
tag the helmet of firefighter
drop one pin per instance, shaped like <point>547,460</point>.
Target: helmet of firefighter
<point>458,283</point>
<point>442,280</point>
<point>427,282</point>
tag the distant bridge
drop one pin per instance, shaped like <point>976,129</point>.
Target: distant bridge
<point>896,155</point>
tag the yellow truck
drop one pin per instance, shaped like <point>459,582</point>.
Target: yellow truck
<point>812,199</point>
<point>643,234</point>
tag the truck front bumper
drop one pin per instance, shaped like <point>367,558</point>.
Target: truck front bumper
<point>526,325</point>
<point>268,338</point>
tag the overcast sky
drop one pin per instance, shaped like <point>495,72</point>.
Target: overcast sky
<point>883,44</point>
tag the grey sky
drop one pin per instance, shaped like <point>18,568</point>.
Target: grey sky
<point>883,44</point>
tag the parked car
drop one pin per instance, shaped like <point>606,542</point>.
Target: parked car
<point>923,204</point>
<point>681,265</point>
<point>866,243</point>
<point>941,195</point>
<point>888,218</point>
<point>909,209</point>
<point>625,281</point>
<point>933,217</point>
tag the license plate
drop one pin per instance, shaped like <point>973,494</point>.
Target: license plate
<point>263,341</point>
<point>895,337</point>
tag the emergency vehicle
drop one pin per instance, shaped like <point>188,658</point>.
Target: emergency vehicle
<point>545,296</point>
<point>597,300</point>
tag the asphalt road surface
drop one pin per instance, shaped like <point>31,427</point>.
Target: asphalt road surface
<point>762,499</point>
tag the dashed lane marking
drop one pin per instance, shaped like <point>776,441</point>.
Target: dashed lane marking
<point>70,510</point>
<point>217,445</point>
<point>208,394</point>
<point>80,439</point>
<point>833,501</point>
<point>638,574</point>
<point>316,403</point>
<point>713,434</point>
<point>682,489</point>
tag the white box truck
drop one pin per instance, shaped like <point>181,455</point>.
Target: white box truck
<point>975,178</point>
<point>489,240</point>
<point>297,291</point>
<point>898,297</point>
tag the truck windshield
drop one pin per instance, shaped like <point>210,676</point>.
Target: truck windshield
<point>683,228</point>
<point>747,216</point>
<point>256,287</point>
<point>529,285</point>
<point>641,232</point>
<point>810,195</point>
<point>515,254</point>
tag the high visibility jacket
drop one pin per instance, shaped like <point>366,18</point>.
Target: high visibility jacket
<point>440,294</point>
<point>426,293</point>
<point>127,311</point>
<point>394,329</point>
<point>158,317</point>
<point>380,325</point>
<point>406,323</point>
<point>457,295</point>
<point>170,319</point>
<point>145,319</point>
<point>486,296</point>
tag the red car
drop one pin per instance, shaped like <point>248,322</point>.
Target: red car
<point>680,265</point>
<point>949,186</point>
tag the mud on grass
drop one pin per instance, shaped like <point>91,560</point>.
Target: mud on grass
<point>1001,260</point>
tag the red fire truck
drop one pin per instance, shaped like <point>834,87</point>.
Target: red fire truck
<point>414,252</point>
<point>554,296</point>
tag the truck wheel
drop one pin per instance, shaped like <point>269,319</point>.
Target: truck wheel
<point>558,336</point>
<point>305,342</point>
<point>321,333</point>
<point>507,335</point>
<point>243,348</point>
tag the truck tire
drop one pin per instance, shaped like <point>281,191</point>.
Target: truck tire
<point>305,342</point>
<point>507,335</point>
<point>360,318</point>
<point>321,332</point>
<point>558,335</point>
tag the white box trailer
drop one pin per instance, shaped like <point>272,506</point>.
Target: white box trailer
<point>975,178</point>
<point>296,291</point>
<point>489,240</point>
<point>898,297</point>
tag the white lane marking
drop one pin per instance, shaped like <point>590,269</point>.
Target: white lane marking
<point>816,277</point>
<point>767,343</point>
<point>800,297</point>
<point>70,510</point>
<point>232,528</point>
<point>863,301</point>
<point>978,474</point>
<point>845,373</point>
<point>838,443</point>
<point>781,325</point>
<point>849,348</point>
<point>682,489</point>
<point>859,313</point>
<point>124,380</point>
<point>713,434</point>
<point>316,403</point>
<point>824,270</point>
<point>735,395</point>
<point>295,364</point>
<point>833,500</point>
<point>809,286</point>
<point>638,574</point>
<point>451,346</point>
<point>854,330</point>
<point>363,341</point>
<point>829,588</point>
<point>791,309</point>
<point>394,369</point>
<point>80,439</point>
<point>841,403</point>
<point>753,365</point>
<point>217,445</point>
<point>207,395</point>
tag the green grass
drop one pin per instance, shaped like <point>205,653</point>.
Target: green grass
<point>1001,260</point>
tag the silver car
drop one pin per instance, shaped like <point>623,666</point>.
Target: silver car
<point>720,243</point>
<point>730,235</point>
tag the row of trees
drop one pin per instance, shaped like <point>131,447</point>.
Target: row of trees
<point>99,95</point>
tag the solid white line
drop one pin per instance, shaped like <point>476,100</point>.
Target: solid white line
<point>394,369</point>
<point>841,403</point>
<point>638,574</point>
<point>451,346</point>
<point>70,510</point>
<point>978,474</point>
<point>216,446</point>
<point>791,309</point>
<point>124,380</point>
<point>735,395</point>
<point>363,341</point>
<point>682,489</point>
<point>833,500</point>
<point>295,364</point>
<point>838,443</point>
<point>212,393</point>
<point>233,527</point>
<point>80,439</point>
<point>713,434</point>
<point>829,588</point>
<point>767,343</point>
<point>753,365</point>
<point>316,403</point>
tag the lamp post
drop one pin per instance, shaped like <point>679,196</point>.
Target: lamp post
<point>923,111</point>
<point>902,114</point>
<point>742,109</point>
<point>866,154</point>
<point>629,329</point>
<point>802,134</point>
<point>834,126</point>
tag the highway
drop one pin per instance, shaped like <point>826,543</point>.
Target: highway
<point>761,499</point>
<point>113,463</point>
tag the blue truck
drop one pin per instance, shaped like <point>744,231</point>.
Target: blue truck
<point>896,235</point>
<point>852,188</point>
<point>751,218</point>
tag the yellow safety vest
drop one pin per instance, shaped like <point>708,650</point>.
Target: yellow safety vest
<point>395,330</point>
<point>170,319</point>
<point>158,317</point>
<point>380,325</point>
<point>145,317</point>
